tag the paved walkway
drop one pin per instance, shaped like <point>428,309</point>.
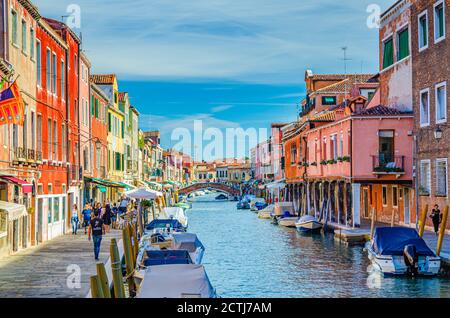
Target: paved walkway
<point>41,272</point>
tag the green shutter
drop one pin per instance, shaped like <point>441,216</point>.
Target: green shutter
<point>388,54</point>
<point>92,105</point>
<point>96,108</point>
<point>109,122</point>
<point>441,21</point>
<point>123,129</point>
<point>403,43</point>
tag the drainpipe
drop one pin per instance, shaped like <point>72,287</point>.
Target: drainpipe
<point>416,179</point>
<point>5,30</point>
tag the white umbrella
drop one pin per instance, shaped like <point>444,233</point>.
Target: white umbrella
<point>143,193</point>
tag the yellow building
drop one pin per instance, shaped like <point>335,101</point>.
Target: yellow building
<point>116,131</point>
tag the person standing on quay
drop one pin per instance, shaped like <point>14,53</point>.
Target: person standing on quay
<point>436,217</point>
<point>96,231</point>
<point>106,217</point>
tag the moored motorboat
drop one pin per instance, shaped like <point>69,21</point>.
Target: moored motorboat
<point>401,251</point>
<point>243,205</point>
<point>266,214</point>
<point>255,203</point>
<point>288,221</point>
<point>308,224</point>
<point>164,226</point>
<point>174,281</point>
<point>176,213</point>
<point>221,197</point>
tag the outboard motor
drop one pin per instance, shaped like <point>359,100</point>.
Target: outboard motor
<point>157,238</point>
<point>411,259</point>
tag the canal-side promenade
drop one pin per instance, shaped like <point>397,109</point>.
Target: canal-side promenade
<point>42,272</point>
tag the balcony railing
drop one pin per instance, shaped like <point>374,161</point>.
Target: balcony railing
<point>383,164</point>
<point>29,156</point>
<point>131,165</point>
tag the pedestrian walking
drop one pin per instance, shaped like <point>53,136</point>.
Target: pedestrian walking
<point>114,214</point>
<point>87,211</point>
<point>107,218</point>
<point>436,217</point>
<point>96,231</point>
<point>123,206</point>
<point>75,220</point>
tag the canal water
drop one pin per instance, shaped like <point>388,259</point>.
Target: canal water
<point>247,257</point>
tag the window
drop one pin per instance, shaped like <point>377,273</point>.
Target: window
<point>54,73</point>
<point>25,131</point>
<point>118,160</point>
<point>324,149</point>
<point>98,157</point>
<point>49,139</point>
<point>24,36</point>
<point>425,178</point>
<point>63,142</point>
<point>14,27</point>
<point>388,53</point>
<point>83,117</point>
<point>55,141</point>
<point>441,177</point>
<point>386,147</point>
<point>439,22</point>
<point>384,196</point>
<point>38,63</point>
<point>395,197</point>
<point>333,147</point>
<point>48,69</point>
<point>56,210</point>
<point>39,133</point>
<point>341,146</point>
<point>293,154</point>
<point>33,131</point>
<point>425,107</point>
<point>75,64</point>
<point>403,44</point>
<point>63,80</point>
<point>32,43</point>
<point>423,30</point>
<point>15,136</point>
<point>441,103</point>
<point>329,100</point>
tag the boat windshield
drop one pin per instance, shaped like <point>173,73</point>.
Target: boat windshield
<point>167,257</point>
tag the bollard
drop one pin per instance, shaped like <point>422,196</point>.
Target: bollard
<point>372,224</point>
<point>423,220</point>
<point>116,267</point>
<point>442,231</point>
<point>103,278</point>
<point>128,258</point>
<point>96,289</point>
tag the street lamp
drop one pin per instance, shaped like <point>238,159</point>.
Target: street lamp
<point>438,133</point>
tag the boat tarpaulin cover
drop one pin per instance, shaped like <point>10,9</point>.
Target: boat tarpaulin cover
<point>392,241</point>
<point>186,241</point>
<point>176,281</point>
<point>162,224</point>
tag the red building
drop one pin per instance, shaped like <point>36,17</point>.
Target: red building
<point>51,204</point>
<point>72,105</point>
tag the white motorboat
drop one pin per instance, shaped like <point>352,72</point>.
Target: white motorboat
<point>174,281</point>
<point>187,242</point>
<point>308,224</point>
<point>176,213</point>
<point>266,214</point>
<point>254,203</point>
<point>288,221</point>
<point>401,251</point>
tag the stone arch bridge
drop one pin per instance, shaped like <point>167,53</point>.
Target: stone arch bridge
<point>203,186</point>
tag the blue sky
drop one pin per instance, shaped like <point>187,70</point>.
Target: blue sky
<point>230,63</point>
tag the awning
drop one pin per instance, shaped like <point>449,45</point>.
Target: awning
<point>106,183</point>
<point>126,186</point>
<point>26,187</point>
<point>101,188</point>
<point>277,185</point>
<point>15,211</point>
<point>154,185</point>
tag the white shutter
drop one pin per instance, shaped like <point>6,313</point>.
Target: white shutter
<point>441,177</point>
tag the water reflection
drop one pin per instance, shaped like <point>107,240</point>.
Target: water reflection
<point>249,257</point>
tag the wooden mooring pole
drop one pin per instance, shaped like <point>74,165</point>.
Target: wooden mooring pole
<point>442,231</point>
<point>103,279</point>
<point>372,224</point>
<point>423,220</point>
<point>128,252</point>
<point>116,267</point>
<point>96,288</point>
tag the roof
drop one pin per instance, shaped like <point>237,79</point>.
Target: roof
<point>335,77</point>
<point>31,8</point>
<point>382,110</point>
<point>345,85</point>
<point>60,26</point>
<point>326,116</point>
<point>103,79</point>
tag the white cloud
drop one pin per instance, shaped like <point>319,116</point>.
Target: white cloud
<point>260,41</point>
<point>221,108</point>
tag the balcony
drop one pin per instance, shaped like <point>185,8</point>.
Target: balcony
<point>31,156</point>
<point>20,154</point>
<point>388,165</point>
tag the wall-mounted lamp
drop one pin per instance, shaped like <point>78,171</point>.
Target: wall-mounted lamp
<point>438,133</point>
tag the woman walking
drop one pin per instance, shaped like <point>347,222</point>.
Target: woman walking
<point>75,219</point>
<point>107,217</point>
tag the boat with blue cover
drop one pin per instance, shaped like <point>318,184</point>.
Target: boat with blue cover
<point>401,251</point>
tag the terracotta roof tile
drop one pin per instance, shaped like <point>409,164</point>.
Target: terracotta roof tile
<point>326,116</point>
<point>382,110</point>
<point>103,79</point>
<point>345,85</point>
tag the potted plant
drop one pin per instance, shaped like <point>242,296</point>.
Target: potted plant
<point>314,164</point>
<point>346,159</point>
<point>324,162</point>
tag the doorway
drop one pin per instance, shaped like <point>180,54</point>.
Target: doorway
<point>40,221</point>
<point>407,210</point>
<point>366,202</point>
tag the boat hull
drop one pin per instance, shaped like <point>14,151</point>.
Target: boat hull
<point>288,222</point>
<point>309,227</point>
<point>394,265</point>
<point>264,215</point>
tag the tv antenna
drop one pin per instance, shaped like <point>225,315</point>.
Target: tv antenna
<point>345,59</point>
